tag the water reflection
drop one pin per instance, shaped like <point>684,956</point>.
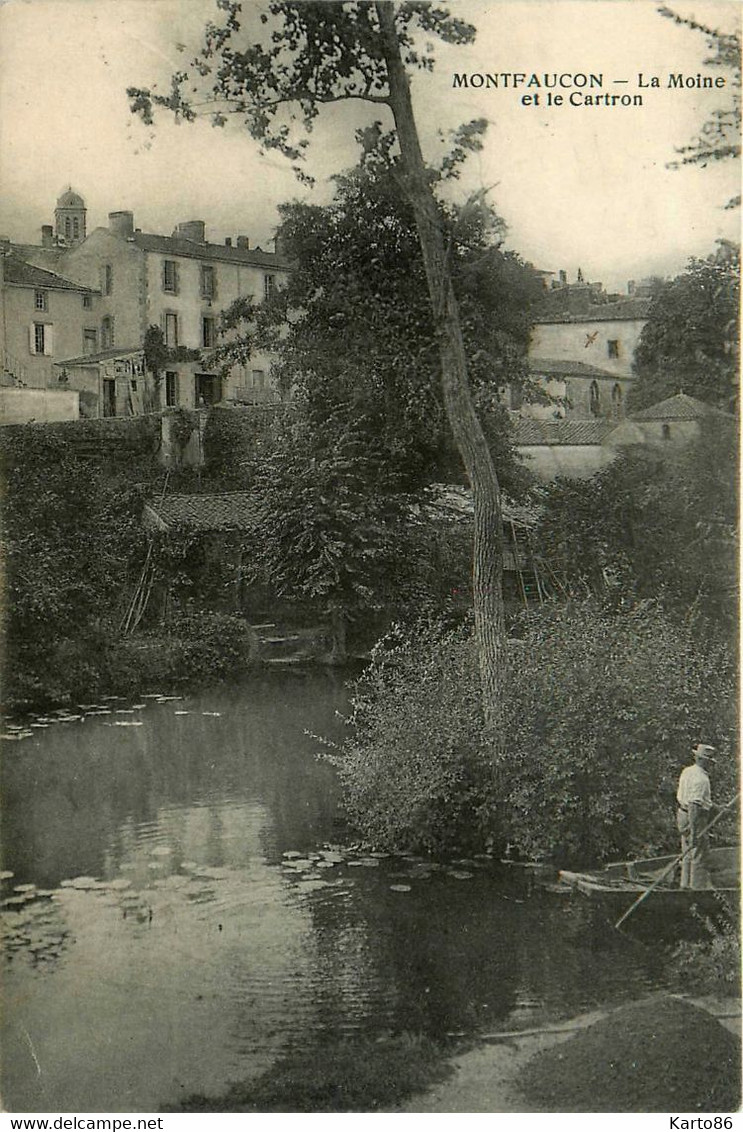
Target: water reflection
<point>204,916</point>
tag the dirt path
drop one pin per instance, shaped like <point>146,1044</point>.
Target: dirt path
<point>485,1078</point>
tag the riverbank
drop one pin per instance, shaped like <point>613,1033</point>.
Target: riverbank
<point>493,1077</point>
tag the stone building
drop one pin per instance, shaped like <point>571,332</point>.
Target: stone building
<point>589,354</point>
<point>44,318</point>
<point>180,283</point>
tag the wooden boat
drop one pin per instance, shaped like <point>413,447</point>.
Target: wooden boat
<point>617,885</point>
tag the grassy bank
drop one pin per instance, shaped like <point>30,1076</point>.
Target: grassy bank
<point>345,1075</point>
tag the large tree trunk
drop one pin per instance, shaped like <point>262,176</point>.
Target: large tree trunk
<point>487,570</point>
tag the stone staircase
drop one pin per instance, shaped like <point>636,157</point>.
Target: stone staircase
<point>280,647</point>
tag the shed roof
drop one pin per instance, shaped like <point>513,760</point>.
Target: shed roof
<point>227,511</point>
<point>529,432</point>
<point>23,274</point>
<point>101,356</point>
<point>680,407</point>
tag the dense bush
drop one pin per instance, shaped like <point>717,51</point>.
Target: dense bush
<point>710,965</point>
<point>653,524</point>
<point>601,712</point>
<point>72,540</point>
<point>413,769</point>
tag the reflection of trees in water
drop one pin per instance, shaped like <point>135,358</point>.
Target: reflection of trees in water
<point>80,784</point>
<point>460,956</point>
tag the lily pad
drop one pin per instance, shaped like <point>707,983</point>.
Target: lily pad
<point>400,888</point>
<point>312,885</point>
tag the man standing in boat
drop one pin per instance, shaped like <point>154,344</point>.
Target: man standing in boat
<point>695,810</point>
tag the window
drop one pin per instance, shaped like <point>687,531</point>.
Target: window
<point>87,302</point>
<point>208,282</point>
<point>90,341</point>
<point>107,333</point>
<point>594,399</point>
<point>170,276</point>
<point>170,329</point>
<point>616,400</point>
<point>208,332</point>
<point>75,228</point>
<point>40,338</point>
<point>612,348</point>
<point>134,385</point>
<point>67,228</point>
<point>171,388</point>
<point>107,280</point>
<point>40,301</point>
<point>666,432</point>
<point>208,389</point>
<point>269,286</point>
<point>259,379</point>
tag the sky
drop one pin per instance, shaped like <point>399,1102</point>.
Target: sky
<point>578,186</point>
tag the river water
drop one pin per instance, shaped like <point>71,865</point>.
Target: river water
<point>184,907</point>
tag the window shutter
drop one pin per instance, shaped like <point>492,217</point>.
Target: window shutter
<point>32,338</point>
<point>48,339</point>
<point>214,282</point>
<point>176,280</point>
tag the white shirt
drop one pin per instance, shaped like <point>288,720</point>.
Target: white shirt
<point>694,787</point>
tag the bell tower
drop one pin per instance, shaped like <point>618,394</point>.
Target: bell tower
<point>69,218</point>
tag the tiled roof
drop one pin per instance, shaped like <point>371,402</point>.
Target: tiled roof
<point>229,511</point>
<point>26,275</point>
<point>624,310</point>
<point>100,356</point>
<point>530,432</point>
<point>680,407</point>
<point>560,368</point>
<point>178,246</point>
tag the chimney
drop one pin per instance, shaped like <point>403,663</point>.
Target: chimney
<point>47,236</point>
<point>121,224</point>
<point>631,287</point>
<point>243,242</point>
<point>193,230</point>
<point>228,242</point>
